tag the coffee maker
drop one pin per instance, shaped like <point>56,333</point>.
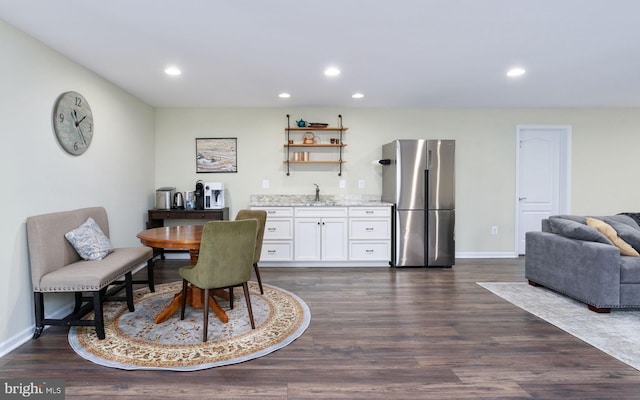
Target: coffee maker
<point>213,195</point>
<point>199,195</point>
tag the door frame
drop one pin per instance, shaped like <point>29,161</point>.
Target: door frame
<point>564,167</point>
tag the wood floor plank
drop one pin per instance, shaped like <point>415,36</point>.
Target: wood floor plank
<point>375,333</point>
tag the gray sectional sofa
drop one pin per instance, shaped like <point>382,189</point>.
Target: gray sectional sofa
<point>582,257</point>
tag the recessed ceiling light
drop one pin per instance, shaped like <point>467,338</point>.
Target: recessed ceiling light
<point>284,95</point>
<point>357,95</point>
<point>172,71</point>
<point>332,71</point>
<point>515,72</point>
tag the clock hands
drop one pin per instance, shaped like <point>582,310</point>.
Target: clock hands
<point>74,115</point>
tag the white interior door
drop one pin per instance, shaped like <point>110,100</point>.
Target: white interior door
<point>543,189</point>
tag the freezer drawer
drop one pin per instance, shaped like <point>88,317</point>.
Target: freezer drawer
<point>441,238</point>
<point>409,250</point>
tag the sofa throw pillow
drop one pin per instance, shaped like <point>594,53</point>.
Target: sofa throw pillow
<point>625,231</point>
<point>89,241</point>
<point>611,234</point>
<point>576,230</point>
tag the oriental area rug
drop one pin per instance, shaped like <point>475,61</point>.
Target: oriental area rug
<point>134,341</point>
<point>614,333</point>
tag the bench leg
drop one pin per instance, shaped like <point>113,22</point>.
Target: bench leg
<point>128,283</point>
<point>78,305</point>
<point>97,312</point>
<point>38,298</point>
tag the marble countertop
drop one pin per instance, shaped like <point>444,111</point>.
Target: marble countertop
<point>290,200</point>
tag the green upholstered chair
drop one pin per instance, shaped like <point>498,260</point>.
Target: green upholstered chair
<point>225,260</point>
<point>261,216</point>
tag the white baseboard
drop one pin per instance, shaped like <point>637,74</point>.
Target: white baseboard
<point>505,254</point>
<point>25,335</point>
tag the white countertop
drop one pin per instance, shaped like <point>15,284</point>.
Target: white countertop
<point>290,200</point>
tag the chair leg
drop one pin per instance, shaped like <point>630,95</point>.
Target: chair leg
<point>183,301</point>
<point>150,265</point>
<point>255,268</point>
<point>231,298</point>
<point>38,298</point>
<point>128,284</point>
<point>97,312</point>
<point>247,297</point>
<point>205,317</point>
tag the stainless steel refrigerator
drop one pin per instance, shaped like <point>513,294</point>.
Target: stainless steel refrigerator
<point>418,176</point>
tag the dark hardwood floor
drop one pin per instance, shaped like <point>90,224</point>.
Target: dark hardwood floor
<point>375,333</point>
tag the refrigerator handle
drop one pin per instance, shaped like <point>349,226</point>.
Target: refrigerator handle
<point>427,199</point>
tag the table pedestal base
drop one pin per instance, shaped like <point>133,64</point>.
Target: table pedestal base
<point>195,300</point>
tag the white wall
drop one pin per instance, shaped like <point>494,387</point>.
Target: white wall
<point>117,171</point>
<point>137,149</point>
<point>604,154</point>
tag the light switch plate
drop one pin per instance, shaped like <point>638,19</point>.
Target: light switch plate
<point>361,184</point>
<point>265,184</point>
<point>342,184</point>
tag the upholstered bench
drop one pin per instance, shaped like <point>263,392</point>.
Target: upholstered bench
<point>57,266</point>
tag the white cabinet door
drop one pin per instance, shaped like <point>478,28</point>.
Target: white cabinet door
<point>334,239</point>
<point>321,239</point>
<point>308,238</point>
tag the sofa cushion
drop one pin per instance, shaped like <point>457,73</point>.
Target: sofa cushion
<point>621,218</point>
<point>626,231</point>
<point>576,230</point>
<point>576,218</point>
<point>630,270</point>
<point>89,241</point>
<point>611,234</point>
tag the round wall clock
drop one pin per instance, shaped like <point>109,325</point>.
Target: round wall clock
<point>73,122</point>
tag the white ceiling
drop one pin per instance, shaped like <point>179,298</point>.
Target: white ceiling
<point>400,53</point>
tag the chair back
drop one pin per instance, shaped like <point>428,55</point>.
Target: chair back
<point>261,217</point>
<point>226,254</point>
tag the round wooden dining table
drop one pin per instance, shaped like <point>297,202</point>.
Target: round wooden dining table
<point>185,237</point>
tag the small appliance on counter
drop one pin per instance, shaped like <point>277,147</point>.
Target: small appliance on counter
<point>190,200</point>
<point>199,196</point>
<point>178,201</point>
<point>164,197</point>
<point>213,195</point>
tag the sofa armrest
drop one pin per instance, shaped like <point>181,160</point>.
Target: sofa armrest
<point>587,271</point>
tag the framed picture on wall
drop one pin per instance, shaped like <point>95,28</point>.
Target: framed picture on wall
<point>216,155</point>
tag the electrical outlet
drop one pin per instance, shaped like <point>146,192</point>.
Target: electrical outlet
<point>342,184</point>
<point>361,184</point>
<point>265,184</point>
<point>494,230</point>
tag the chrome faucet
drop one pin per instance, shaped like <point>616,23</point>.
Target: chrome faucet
<point>317,192</point>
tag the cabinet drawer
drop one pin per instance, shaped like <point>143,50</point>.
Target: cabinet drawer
<point>372,251</point>
<point>320,212</point>
<point>370,211</point>
<point>281,228</point>
<point>277,251</point>
<point>167,214</point>
<point>276,212</point>
<point>365,228</point>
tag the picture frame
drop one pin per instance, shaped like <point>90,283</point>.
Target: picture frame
<point>216,155</point>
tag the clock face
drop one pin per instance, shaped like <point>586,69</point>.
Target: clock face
<point>73,122</point>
